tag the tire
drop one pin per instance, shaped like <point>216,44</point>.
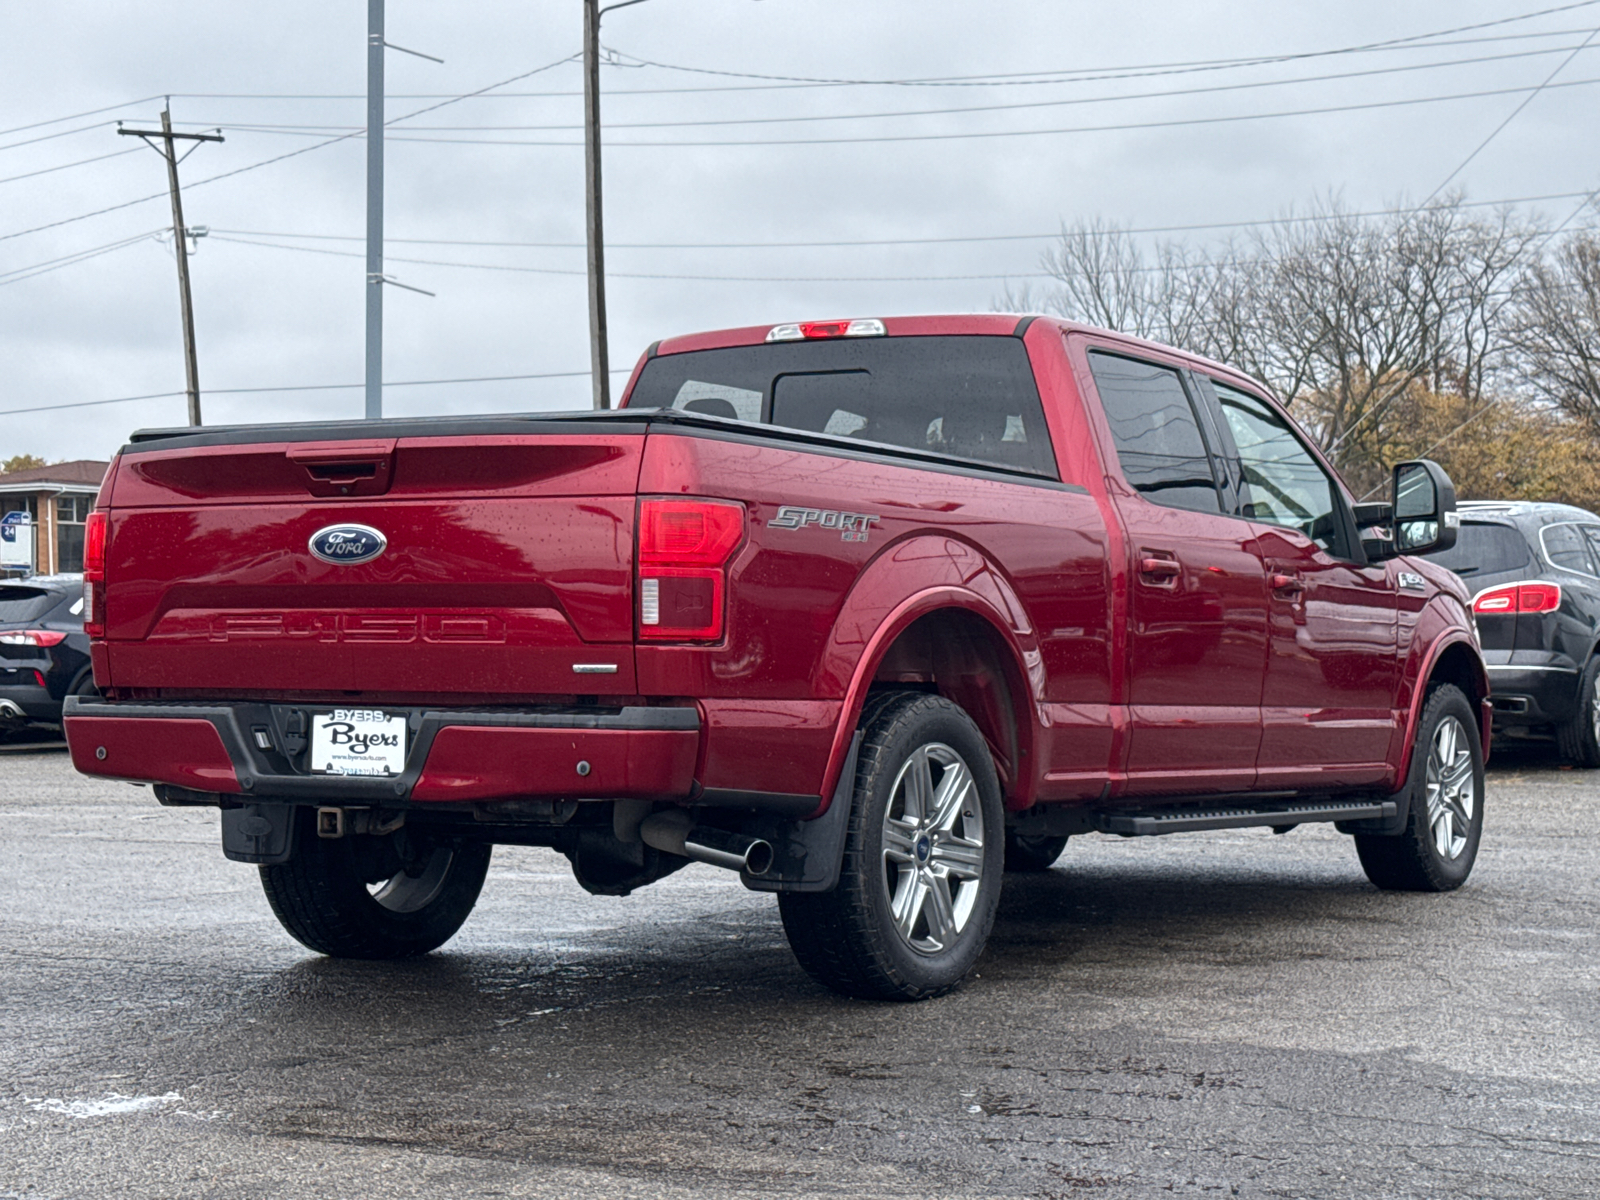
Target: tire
<point>1032,853</point>
<point>1579,738</point>
<point>362,896</point>
<point>941,860</point>
<point>1436,850</point>
<point>85,686</point>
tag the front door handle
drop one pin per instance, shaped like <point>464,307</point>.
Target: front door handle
<point>1287,583</point>
<point>1160,568</point>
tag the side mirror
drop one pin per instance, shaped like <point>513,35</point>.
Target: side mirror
<point>1425,517</point>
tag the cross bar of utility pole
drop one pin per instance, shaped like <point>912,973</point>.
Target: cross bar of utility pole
<point>599,352</point>
<point>179,244</point>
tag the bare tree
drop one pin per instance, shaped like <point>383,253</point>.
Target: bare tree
<point>1340,314</point>
<point>1555,329</point>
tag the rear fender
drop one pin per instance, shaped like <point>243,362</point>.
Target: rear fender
<point>916,577</point>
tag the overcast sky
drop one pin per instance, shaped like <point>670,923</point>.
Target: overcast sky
<point>693,157</point>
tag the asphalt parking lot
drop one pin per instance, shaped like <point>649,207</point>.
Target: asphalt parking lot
<point>1229,1014</point>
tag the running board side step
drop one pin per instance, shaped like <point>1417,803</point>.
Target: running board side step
<point>1189,820</point>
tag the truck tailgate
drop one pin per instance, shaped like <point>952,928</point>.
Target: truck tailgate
<point>507,567</point>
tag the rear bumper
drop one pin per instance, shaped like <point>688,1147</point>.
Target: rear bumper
<point>1532,694</point>
<point>32,702</point>
<point>453,756</point>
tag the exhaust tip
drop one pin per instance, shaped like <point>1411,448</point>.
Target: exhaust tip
<point>758,858</point>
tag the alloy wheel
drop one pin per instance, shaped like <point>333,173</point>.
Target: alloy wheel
<point>933,848</point>
<point>1452,789</point>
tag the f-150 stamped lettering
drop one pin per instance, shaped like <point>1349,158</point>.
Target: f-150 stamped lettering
<point>853,527</point>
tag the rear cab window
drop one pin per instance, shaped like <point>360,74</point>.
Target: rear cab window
<point>970,397</point>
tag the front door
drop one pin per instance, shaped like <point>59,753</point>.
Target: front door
<point>1197,603</point>
<point>1328,702</point>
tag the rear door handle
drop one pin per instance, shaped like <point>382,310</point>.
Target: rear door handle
<point>1160,568</point>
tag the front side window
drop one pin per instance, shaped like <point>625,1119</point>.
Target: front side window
<point>1284,484</point>
<point>1157,437</point>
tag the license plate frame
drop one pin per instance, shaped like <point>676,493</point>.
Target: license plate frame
<point>358,742</point>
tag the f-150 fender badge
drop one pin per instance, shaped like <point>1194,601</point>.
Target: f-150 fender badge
<point>345,544</point>
<point>1413,583</point>
<point>852,527</point>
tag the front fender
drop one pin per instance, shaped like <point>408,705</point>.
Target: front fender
<point>1438,628</point>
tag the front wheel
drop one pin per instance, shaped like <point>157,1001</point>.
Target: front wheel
<point>363,896</point>
<point>922,863</point>
<point>1436,850</point>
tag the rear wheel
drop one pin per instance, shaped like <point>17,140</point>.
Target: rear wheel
<point>922,862</point>
<point>1579,738</point>
<point>1032,852</point>
<point>1436,850</point>
<point>364,896</point>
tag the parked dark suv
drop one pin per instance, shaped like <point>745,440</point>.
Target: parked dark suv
<point>1534,571</point>
<point>44,653</point>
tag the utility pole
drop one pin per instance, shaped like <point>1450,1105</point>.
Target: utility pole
<point>179,243</point>
<point>375,276</point>
<point>374,209</point>
<point>599,353</point>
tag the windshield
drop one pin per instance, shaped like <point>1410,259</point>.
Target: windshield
<point>970,397</point>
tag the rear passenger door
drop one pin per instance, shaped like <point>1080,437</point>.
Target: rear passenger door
<point>1327,706</point>
<point>1197,604</point>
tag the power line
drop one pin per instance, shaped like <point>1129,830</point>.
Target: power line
<point>74,116</point>
<point>314,130</point>
<point>926,241</point>
<point>64,166</point>
<point>1123,126</point>
<point>305,387</point>
<point>1200,64</point>
<point>280,157</point>
<point>1512,116</point>
<point>18,274</point>
<point>433,262</point>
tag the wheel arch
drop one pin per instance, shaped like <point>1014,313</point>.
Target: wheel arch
<point>1452,658</point>
<point>955,641</point>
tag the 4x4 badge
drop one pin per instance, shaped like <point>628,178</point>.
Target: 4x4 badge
<point>852,527</point>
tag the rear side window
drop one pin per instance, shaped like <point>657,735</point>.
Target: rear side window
<point>1484,549</point>
<point>1155,432</point>
<point>25,603</point>
<point>971,397</point>
<point>1567,548</point>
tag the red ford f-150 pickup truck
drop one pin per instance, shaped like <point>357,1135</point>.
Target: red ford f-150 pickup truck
<point>868,611</point>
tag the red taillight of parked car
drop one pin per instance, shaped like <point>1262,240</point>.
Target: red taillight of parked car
<point>1511,598</point>
<point>94,574</point>
<point>33,637</point>
<point>684,548</point>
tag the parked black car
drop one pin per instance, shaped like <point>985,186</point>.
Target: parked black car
<point>1534,570</point>
<point>44,653</point>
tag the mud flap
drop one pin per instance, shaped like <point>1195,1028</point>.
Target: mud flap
<point>807,855</point>
<point>258,833</point>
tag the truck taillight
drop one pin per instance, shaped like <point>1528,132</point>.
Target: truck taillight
<point>1510,598</point>
<point>684,548</point>
<point>94,574</point>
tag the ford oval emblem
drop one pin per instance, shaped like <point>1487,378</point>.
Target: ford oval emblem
<point>348,544</point>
